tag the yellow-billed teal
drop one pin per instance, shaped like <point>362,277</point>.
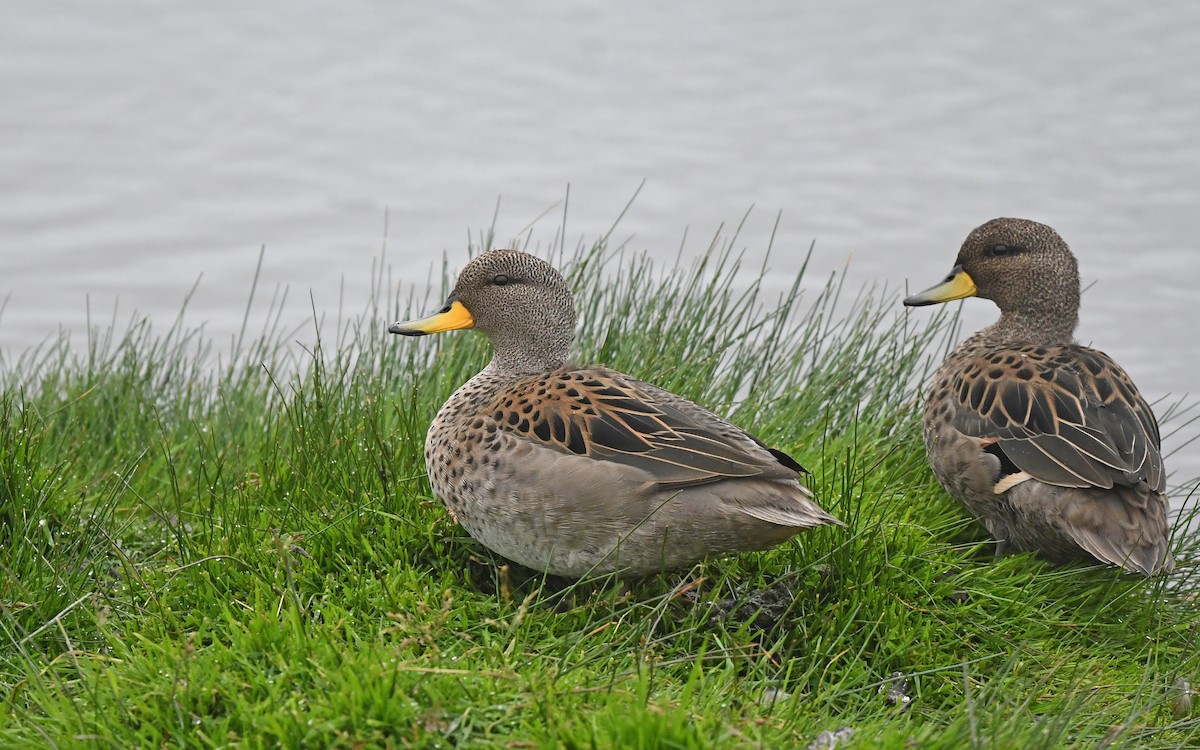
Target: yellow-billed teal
<point>570,470</point>
<point>1047,442</point>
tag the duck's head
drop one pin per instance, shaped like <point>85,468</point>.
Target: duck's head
<point>518,300</point>
<point>1024,267</point>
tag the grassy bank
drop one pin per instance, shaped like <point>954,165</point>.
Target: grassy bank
<point>242,551</point>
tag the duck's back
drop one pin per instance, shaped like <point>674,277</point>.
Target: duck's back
<point>1053,448</point>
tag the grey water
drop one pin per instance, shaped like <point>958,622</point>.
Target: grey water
<point>146,145</point>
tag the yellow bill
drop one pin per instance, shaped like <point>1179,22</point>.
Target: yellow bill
<point>453,316</point>
<point>957,285</point>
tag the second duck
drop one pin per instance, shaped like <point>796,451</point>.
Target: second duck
<point>1047,442</point>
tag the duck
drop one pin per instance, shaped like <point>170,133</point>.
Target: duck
<point>1046,442</point>
<point>575,470</point>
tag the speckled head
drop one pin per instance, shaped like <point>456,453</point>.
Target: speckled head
<point>1025,268</point>
<point>518,300</point>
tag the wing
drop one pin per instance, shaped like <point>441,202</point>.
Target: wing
<point>608,416</point>
<point>726,430</point>
<point>1066,415</point>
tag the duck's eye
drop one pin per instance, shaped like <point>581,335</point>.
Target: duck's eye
<point>500,279</point>
<point>999,251</point>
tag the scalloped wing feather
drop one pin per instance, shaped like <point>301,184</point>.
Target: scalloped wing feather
<point>608,416</point>
<point>1069,416</point>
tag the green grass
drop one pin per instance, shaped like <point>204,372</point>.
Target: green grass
<point>241,550</point>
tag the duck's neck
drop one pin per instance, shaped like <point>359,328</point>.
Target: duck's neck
<point>1048,325</point>
<point>514,356</point>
